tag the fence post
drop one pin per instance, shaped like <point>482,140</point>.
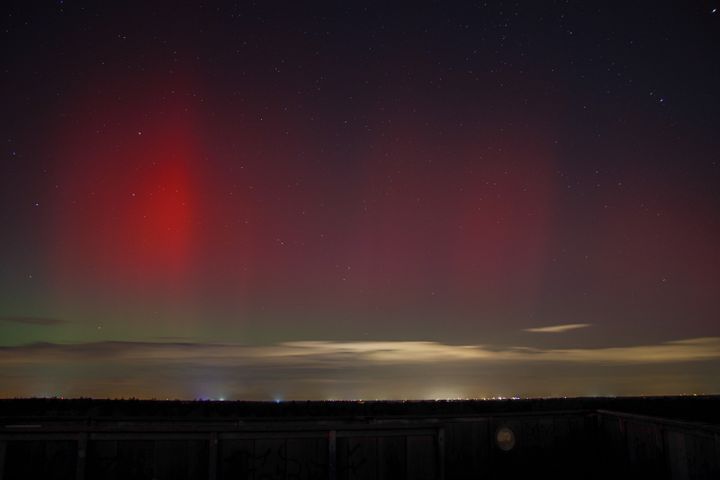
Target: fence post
<point>332,455</point>
<point>213,452</point>
<point>81,456</point>
<point>3,444</point>
<point>441,452</point>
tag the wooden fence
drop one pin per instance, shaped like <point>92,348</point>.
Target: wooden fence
<point>649,447</point>
<point>577,444</point>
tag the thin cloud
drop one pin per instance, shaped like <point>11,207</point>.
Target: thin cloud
<point>558,328</point>
<point>43,321</point>
<point>324,354</point>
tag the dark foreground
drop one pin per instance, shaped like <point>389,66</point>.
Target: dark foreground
<point>652,437</point>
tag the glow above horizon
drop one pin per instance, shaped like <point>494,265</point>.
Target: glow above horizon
<point>358,203</point>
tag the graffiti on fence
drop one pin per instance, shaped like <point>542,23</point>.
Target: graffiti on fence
<point>274,463</point>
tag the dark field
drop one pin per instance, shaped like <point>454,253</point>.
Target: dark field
<point>704,409</point>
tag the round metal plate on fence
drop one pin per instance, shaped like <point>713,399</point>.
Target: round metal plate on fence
<point>505,439</point>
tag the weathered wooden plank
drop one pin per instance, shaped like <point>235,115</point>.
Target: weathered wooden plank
<point>81,457</point>
<point>286,428</point>
<point>332,455</point>
<point>540,446</point>
<point>357,458</point>
<point>212,456</point>
<point>572,447</point>
<point>307,459</point>
<point>23,459</point>
<point>373,431</point>
<point>102,460</point>
<point>270,459</point>
<point>613,445</point>
<point>61,460</point>
<point>46,437</point>
<point>136,460</point>
<point>538,437</point>
<point>702,455</point>
<point>466,449</point>
<point>563,458</point>
<point>645,450</point>
<point>140,436</point>
<point>563,434</point>
<point>279,434</point>
<point>690,427</point>
<point>3,445</point>
<point>391,458</point>
<point>675,455</point>
<point>180,459</point>
<point>39,459</point>
<point>236,459</point>
<point>440,446</point>
<point>171,460</point>
<point>421,457</point>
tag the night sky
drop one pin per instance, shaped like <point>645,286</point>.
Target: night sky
<point>262,200</point>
